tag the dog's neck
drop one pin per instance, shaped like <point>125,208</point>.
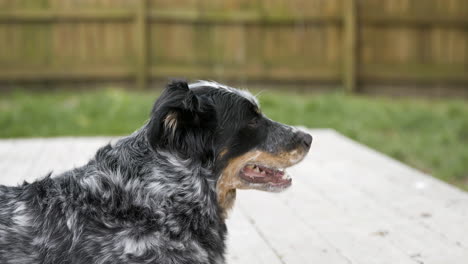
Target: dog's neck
<point>226,197</point>
<point>168,174</point>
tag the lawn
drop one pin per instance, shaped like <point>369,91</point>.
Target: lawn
<point>428,134</point>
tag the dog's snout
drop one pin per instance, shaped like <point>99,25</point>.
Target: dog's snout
<point>306,139</point>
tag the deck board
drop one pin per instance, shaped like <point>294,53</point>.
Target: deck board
<point>348,204</point>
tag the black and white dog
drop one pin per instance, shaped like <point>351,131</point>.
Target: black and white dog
<point>160,195</point>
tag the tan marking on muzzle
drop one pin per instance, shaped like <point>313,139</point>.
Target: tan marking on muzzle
<point>229,180</point>
<point>281,160</point>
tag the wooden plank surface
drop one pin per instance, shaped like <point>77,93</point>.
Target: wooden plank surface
<point>348,204</point>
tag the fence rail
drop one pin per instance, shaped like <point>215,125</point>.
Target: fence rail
<point>341,41</point>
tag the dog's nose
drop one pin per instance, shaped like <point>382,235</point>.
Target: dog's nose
<point>306,139</point>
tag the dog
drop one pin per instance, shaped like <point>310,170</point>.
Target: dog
<point>160,195</point>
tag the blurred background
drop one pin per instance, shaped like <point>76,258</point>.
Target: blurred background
<point>391,74</point>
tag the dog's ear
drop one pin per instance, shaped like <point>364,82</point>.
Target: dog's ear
<point>179,122</point>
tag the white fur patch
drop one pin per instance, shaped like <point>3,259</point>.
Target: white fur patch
<point>177,163</point>
<point>92,183</point>
<point>40,241</point>
<point>21,220</point>
<point>20,216</point>
<point>139,246</point>
<point>155,188</point>
<point>135,247</point>
<point>246,94</point>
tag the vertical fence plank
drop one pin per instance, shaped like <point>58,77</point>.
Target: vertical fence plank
<point>141,44</point>
<point>350,45</point>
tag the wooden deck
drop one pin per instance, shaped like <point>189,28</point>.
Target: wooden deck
<point>348,204</point>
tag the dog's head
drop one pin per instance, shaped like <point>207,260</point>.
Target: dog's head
<point>224,127</point>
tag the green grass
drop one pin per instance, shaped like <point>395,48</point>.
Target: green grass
<point>431,135</point>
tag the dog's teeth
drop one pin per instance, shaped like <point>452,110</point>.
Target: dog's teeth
<point>257,169</point>
<point>263,172</point>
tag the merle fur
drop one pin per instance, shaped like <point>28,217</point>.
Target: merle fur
<point>148,198</point>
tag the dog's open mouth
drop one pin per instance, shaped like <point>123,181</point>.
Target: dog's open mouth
<point>255,173</point>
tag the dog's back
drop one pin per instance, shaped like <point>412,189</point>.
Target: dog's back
<point>15,229</point>
<point>30,224</point>
<point>111,211</point>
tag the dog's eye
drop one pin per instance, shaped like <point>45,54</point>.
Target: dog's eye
<point>254,122</point>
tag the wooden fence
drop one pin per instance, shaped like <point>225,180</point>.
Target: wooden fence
<point>337,41</point>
